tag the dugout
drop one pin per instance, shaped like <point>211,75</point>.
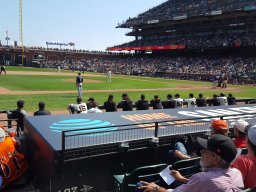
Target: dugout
<point>82,152</point>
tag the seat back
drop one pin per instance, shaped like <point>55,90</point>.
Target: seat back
<point>187,167</point>
<point>145,173</point>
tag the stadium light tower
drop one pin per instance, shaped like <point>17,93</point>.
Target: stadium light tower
<point>21,32</point>
<point>7,37</point>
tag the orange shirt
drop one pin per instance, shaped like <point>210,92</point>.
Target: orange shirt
<point>247,165</point>
<point>12,163</point>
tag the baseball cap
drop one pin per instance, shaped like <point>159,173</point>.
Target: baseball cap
<point>221,145</point>
<point>2,135</point>
<point>241,124</point>
<point>252,134</point>
<point>219,125</point>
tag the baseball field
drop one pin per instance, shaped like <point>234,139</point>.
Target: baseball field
<point>58,90</point>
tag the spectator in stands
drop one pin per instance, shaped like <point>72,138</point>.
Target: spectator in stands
<point>19,114</point>
<point>80,107</point>
<point>231,99</point>
<point>217,154</point>
<point>191,101</point>
<point>41,111</point>
<point>240,133</point>
<point>94,108</point>
<point>219,127</point>
<point>178,101</point>
<point>247,163</point>
<point>156,103</point>
<point>170,103</point>
<point>180,152</point>
<point>15,164</point>
<point>200,101</point>
<point>223,99</point>
<point>110,105</point>
<point>142,104</point>
<point>214,101</point>
<point>126,103</point>
<point>90,102</point>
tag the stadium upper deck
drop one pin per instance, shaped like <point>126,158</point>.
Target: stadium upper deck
<point>195,24</point>
<point>182,9</point>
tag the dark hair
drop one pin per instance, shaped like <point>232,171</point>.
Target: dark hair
<point>41,105</point>
<point>177,95</point>
<point>215,95</point>
<point>79,73</point>
<point>124,95</point>
<point>79,100</point>
<point>142,96</point>
<point>252,146</point>
<point>110,98</point>
<point>222,94</point>
<point>169,96</point>
<point>200,95</point>
<point>230,95</point>
<point>191,95</point>
<point>156,97</point>
<point>20,103</point>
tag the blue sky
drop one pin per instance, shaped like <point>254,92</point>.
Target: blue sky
<point>90,24</point>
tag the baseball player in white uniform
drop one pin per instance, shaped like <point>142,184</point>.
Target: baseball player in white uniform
<point>79,107</point>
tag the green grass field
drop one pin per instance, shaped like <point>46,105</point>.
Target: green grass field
<point>32,81</point>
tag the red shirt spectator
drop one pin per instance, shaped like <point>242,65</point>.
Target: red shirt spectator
<point>239,132</point>
<point>247,163</point>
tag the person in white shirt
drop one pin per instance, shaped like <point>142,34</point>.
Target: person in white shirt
<point>79,107</point>
<point>94,108</point>
<point>178,101</point>
<point>223,100</point>
<point>191,101</point>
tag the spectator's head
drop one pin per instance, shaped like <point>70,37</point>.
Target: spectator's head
<point>191,95</point>
<point>215,96</point>
<point>110,98</point>
<point>169,96</point>
<point>91,100</point>
<point>142,97</point>
<point>156,97</point>
<point>200,95</point>
<point>125,96</point>
<point>2,135</point>
<point>41,105</point>
<point>79,100</point>
<point>20,104</point>
<point>251,142</point>
<point>219,151</point>
<point>95,104</point>
<point>230,95</point>
<point>219,127</point>
<point>239,128</point>
<point>79,73</point>
<point>222,95</point>
<point>177,95</point>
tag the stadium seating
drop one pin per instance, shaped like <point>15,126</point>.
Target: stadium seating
<point>127,182</point>
<point>187,167</point>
